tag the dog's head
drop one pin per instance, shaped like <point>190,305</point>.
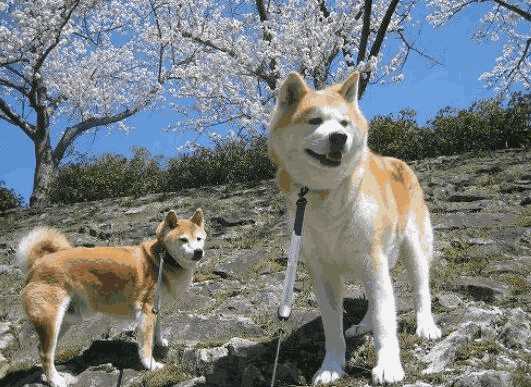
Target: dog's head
<point>183,239</point>
<point>317,137</point>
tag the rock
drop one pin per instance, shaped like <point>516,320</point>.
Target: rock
<point>417,384</point>
<point>525,201</point>
<point>98,376</point>
<point>4,366</point>
<point>252,376</point>
<point>231,222</point>
<point>482,288</point>
<point>202,359</point>
<point>6,336</point>
<point>466,197</point>
<point>191,382</point>
<point>449,300</point>
<point>135,210</point>
<point>239,347</point>
<point>488,378</point>
<point>479,242</point>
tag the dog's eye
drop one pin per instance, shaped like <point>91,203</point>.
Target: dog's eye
<point>315,121</point>
<point>343,122</point>
<point>199,238</point>
<point>184,240</point>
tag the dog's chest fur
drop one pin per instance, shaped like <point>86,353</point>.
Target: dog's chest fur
<point>337,228</point>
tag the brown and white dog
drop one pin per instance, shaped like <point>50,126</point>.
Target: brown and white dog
<point>75,282</point>
<point>364,211</point>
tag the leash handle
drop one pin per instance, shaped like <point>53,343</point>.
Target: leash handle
<point>284,310</point>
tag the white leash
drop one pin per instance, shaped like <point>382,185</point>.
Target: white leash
<point>284,310</point>
<point>156,307</point>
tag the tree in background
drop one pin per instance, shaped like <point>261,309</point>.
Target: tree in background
<point>71,66</point>
<point>68,67</point>
<point>247,46</point>
<point>505,21</point>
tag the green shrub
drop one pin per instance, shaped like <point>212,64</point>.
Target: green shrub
<point>486,125</point>
<point>108,176</point>
<point>228,161</point>
<point>8,198</point>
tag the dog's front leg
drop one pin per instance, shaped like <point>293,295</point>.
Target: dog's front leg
<point>328,287</point>
<point>144,333</point>
<point>379,288</point>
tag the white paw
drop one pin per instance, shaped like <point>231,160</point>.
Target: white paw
<point>60,380</point>
<point>162,342</point>
<point>328,373</point>
<point>427,328</point>
<point>388,371</point>
<point>156,366</point>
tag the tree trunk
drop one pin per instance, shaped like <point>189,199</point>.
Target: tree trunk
<point>45,171</point>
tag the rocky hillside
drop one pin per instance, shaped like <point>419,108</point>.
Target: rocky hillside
<point>224,333</point>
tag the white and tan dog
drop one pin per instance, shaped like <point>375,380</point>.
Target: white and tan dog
<point>364,211</point>
<point>75,282</point>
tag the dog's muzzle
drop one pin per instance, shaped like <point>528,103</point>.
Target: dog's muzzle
<point>198,254</point>
<point>332,158</point>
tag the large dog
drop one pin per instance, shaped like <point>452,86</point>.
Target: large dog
<point>74,282</point>
<point>364,211</point>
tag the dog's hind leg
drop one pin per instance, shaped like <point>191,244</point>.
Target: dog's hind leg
<point>328,287</point>
<point>45,306</point>
<point>417,250</point>
<point>145,330</point>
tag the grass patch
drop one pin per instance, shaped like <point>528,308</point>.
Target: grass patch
<point>477,349</point>
<point>167,376</point>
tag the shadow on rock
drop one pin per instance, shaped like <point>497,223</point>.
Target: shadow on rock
<point>120,354</point>
<point>301,354</point>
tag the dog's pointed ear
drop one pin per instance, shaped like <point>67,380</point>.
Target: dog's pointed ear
<point>171,219</point>
<point>349,88</point>
<point>292,90</point>
<point>198,218</point>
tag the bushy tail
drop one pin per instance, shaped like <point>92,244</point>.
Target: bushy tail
<point>39,242</point>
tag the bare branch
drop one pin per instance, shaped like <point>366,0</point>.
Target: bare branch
<point>367,8</point>
<point>15,119</point>
<point>377,44</point>
<point>11,85</point>
<point>515,9</point>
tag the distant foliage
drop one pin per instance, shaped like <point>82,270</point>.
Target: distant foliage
<point>8,198</point>
<point>108,176</point>
<point>229,161</point>
<point>486,125</point>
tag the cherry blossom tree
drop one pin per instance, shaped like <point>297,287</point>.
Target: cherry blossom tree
<point>506,21</point>
<point>248,46</point>
<point>68,67</point>
<point>71,66</point>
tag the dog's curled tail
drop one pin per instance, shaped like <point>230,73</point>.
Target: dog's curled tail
<point>39,242</point>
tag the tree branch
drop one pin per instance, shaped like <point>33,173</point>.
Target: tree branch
<point>515,9</point>
<point>366,30</point>
<point>72,132</point>
<point>11,85</point>
<point>14,119</point>
<point>377,44</point>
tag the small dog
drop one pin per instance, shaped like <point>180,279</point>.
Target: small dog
<point>74,282</point>
<point>364,210</point>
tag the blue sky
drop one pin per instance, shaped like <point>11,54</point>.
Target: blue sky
<point>425,89</point>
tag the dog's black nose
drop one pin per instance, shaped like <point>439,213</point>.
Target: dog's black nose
<point>337,141</point>
<point>198,254</point>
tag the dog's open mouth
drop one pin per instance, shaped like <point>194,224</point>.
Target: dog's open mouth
<point>332,159</point>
